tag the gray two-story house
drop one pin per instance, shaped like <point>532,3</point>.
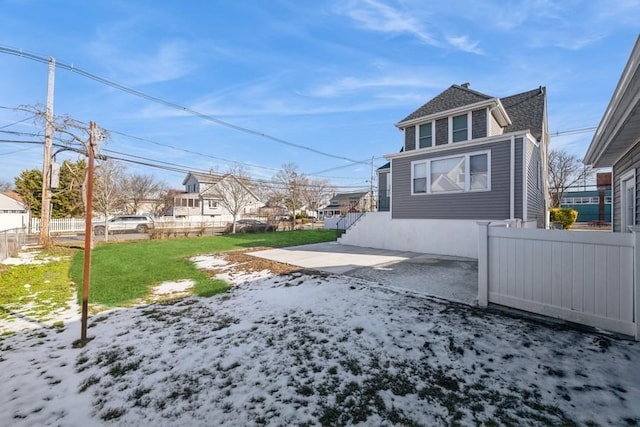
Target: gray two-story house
<point>468,155</point>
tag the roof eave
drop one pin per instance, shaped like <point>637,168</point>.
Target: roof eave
<point>601,151</point>
<point>500,113</point>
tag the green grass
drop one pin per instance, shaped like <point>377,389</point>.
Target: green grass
<point>37,290</point>
<point>124,273</point>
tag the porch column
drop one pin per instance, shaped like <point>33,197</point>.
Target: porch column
<point>483,263</point>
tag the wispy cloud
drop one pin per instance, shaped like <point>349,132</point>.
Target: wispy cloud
<point>464,44</point>
<point>378,16</point>
<point>350,85</point>
<point>138,61</point>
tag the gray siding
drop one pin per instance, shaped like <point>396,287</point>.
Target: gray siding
<point>442,131</point>
<point>535,196</point>
<point>518,213</point>
<point>479,123</point>
<point>410,138</point>
<point>629,161</point>
<point>492,204</point>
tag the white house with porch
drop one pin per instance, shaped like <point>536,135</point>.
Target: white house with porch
<point>201,200</point>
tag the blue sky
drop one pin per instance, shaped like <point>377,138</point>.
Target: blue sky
<point>333,76</point>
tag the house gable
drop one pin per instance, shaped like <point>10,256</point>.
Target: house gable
<point>454,97</point>
<point>460,114</point>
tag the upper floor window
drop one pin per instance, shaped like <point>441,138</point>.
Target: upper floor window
<point>459,128</point>
<point>213,204</point>
<point>466,172</point>
<point>425,135</point>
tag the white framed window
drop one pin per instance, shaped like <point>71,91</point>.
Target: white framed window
<point>452,174</point>
<point>419,177</point>
<point>459,128</point>
<point>213,204</point>
<point>627,200</point>
<point>425,135</point>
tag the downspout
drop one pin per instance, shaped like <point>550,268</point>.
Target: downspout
<point>526,144</point>
<point>512,189</point>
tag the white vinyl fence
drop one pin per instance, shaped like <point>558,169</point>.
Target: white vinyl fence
<point>76,225</point>
<point>584,277</point>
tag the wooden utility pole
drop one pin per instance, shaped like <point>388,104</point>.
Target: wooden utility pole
<point>88,233</point>
<point>45,212</point>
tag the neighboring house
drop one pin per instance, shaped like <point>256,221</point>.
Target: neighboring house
<point>342,203</point>
<point>470,156</point>
<point>592,205</point>
<point>201,202</point>
<point>616,144</point>
<point>13,212</point>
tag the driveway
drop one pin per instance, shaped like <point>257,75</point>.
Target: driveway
<point>442,276</point>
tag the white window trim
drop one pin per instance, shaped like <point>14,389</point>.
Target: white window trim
<point>433,135</point>
<point>467,178</point>
<point>469,120</point>
<point>630,175</point>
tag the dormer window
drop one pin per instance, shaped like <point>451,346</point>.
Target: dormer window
<point>460,128</point>
<point>425,135</point>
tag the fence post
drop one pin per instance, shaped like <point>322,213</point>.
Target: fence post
<point>483,263</point>
<point>636,280</point>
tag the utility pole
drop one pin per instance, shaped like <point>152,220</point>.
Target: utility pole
<point>45,212</point>
<point>88,233</point>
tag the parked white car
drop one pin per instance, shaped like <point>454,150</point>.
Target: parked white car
<point>125,223</point>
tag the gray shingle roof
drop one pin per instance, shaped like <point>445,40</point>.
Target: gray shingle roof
<point>526,111</point>
<point>454,97</point>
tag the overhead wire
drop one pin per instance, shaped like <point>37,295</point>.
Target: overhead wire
<point>173,105</point>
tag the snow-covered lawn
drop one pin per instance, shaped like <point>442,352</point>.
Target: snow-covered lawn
<point>306,349</point>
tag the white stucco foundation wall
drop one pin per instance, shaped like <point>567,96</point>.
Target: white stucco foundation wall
<point>443,237</point>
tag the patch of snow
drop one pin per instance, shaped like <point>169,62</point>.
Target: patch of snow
<point>175,289</point>
<point>321,350</point>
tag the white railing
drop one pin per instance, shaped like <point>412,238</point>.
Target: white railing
<point>590,278</point>
<point>77,225</point>
<point>60,225</point>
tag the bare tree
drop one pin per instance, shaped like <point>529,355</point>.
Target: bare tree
<point>233,192</point>
<point>165,201</point>
<point>138,188</point>
<point>288,189</point>
<point>317,192</point>
<point>6,186</point>
<point>108,192</point>
<point>565,171</point>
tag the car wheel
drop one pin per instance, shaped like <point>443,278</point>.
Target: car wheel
<point>142,228</point>
<point>98,231</point>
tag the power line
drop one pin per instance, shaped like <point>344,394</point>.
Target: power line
<point>15,123</point>
<point>208,117</point>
